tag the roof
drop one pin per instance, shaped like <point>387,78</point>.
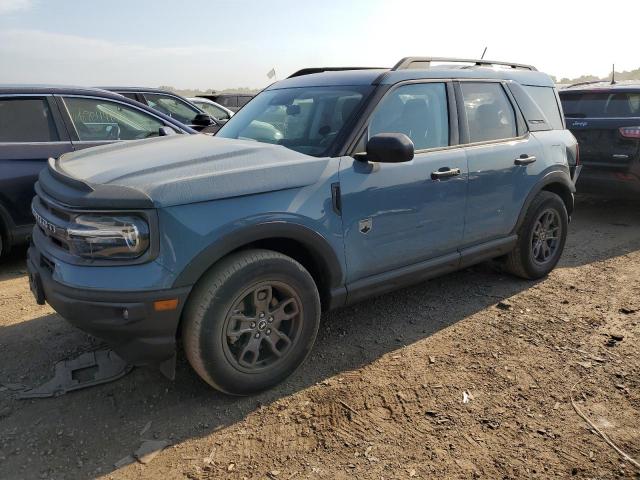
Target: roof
<point>137,89</point>
<point>49,89</point>
<point>389,77</point>
<point>605,85</point>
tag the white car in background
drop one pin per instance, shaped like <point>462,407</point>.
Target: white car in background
<point>218,112</point>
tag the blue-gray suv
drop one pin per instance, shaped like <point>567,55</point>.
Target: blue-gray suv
<point>325,189</point>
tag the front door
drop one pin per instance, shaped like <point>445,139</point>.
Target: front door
<point>396,215</point>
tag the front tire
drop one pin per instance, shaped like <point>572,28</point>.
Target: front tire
<point>251,321</point>
<point>541,238</point>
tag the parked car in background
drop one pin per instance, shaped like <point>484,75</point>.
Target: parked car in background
<point>42,122</point>
<point>605,119</point>
<point>172,105</point>
<point>232,101</point>
<point>365,181</point>
<point>220,114</point>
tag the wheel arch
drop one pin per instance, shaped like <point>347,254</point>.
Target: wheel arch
<point>558,182</point>
<point>301,243</point>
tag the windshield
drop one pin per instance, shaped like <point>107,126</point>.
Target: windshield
<point>601,104</point>
<point>307,120</point>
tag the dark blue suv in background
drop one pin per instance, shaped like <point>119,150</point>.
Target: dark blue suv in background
<point>324,190</point>
<point>39,122</point>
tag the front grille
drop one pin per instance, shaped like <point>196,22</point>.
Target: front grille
<point>52,221</point>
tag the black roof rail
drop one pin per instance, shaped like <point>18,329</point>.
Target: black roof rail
<point>590,82</point>
<point>309,71</point>
<point>407,62</point>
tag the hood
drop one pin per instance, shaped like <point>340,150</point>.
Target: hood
<point>180,169</point>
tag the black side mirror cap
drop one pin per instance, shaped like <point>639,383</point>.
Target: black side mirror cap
<point>390,148</point>
<point>203,120</point>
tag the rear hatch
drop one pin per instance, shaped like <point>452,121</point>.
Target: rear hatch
<point>606,123</point>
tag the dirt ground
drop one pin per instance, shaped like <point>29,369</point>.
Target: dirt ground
<point>382,394</point>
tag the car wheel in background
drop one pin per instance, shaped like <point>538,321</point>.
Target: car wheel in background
<point>251,321</point>
<point>541,237</point>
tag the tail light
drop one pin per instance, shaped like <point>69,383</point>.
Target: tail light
<point>630,132</point>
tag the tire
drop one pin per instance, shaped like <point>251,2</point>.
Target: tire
<point>227,340</point>
<point>525,260</point>
<point>4,243</point>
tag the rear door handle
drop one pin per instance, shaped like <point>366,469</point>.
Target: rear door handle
<point>445,172</point>
<point>525,159</point>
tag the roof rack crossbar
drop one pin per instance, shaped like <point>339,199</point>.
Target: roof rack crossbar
<point>407,62</point>
<point>311,70</point>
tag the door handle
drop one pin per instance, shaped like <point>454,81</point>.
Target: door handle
<point>525,159</point>
<point>445,172</point>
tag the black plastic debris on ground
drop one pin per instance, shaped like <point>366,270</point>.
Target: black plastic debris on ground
<point>86,370</point>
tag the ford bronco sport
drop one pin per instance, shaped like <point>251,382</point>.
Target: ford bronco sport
<point>325,189</point>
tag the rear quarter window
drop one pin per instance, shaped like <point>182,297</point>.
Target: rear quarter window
<point>545,97</point>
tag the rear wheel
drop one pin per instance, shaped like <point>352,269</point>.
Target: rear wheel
<point>541,238</point>
<point>251,321</point>
<point>4,244</point>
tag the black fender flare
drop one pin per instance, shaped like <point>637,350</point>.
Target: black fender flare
<point>314,242</point>
<point>559,176</point>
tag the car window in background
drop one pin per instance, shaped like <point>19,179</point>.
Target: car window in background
<point>96,120</point>
<point>545,97</point>
<point>601,104</point>
<point>419,111</point>
<point>242,101</point>
<point>214,111</point>
<point>490,115</point>
<point>173,107</point>
<point>26,120</point>
<point>228,101</point>
<point>307,120</point>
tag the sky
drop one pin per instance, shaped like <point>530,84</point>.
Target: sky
<point>234,43</point>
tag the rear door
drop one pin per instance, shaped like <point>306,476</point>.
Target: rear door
<point>497,141</point>
<point>399,214</point>
<point>31,131</point>
<point>607,127</point>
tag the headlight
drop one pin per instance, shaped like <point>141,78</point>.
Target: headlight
<point>112,237</point>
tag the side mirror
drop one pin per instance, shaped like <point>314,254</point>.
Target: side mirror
<point>390,148</point>
<point>164,131</point>
<point>203,120</point>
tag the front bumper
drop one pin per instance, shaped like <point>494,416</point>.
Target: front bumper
<point>127,320</point>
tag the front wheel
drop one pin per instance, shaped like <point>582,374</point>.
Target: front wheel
<point>251,321</point>
<point>541,238</point>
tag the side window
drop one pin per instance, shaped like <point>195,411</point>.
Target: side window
<point>96,120</point>
<point>26,120</point>
<point>228,101</point>
<point>545,97</point>
<point>171,106</point>
<point>418,110</point>
<point>490,115</point>
<point>214,111</point>
<point>242,101</point>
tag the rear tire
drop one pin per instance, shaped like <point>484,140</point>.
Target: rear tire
<point>251,321</point>
<point>541,238</point>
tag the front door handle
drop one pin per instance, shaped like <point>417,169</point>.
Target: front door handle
<point>445,172</point>
<point>525,159</point>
